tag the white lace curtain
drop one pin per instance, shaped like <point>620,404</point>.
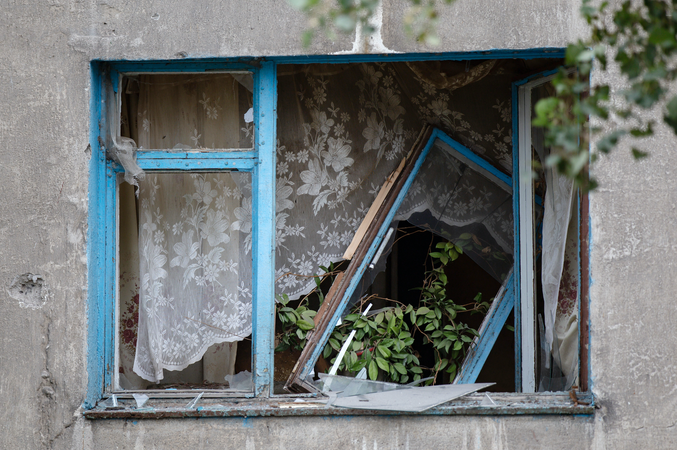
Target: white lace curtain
<point>194,283</point>
<point>464,204</point>
<point>341,130</point>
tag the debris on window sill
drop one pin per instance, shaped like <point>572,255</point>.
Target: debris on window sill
<point>545,403</point>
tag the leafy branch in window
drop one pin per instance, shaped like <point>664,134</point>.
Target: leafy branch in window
<point>385,341</point>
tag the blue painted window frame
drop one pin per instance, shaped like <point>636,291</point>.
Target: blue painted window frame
<point>101,250</point>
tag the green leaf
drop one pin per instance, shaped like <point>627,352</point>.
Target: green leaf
<point>383,351</point>
<point>422,310</point>
<point>308,314</point>
<point>305,325</point>
<point>291,316</point>
<point>373,371</point>
<point>458,345</point>
<point>382,363</point>
<point>447,344</point>
<point>353,357</point>
<point>400,368</point>
<point>663,37</point>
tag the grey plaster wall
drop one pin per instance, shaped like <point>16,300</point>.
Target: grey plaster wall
<point>44,125</point>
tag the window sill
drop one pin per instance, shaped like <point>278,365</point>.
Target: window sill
<point>507,404</point>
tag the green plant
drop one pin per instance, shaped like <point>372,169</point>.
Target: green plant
<point>640,37</point>
<point>297,322</point>
<point>384,342</point>
<point>439,314</point>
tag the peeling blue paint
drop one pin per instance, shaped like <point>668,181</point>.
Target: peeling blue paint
<point>96,242</point>
<point>248,422</point>
<point>263,229</point>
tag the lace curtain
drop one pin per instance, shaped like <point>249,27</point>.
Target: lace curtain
<point>344,128</point>
<point>194,282</point>
<point>195,274</point>
<point>463,203</point>
<point>341,130</point>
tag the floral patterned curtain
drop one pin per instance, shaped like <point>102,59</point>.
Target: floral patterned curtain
<point>194,264</point>
<point>342,129</point>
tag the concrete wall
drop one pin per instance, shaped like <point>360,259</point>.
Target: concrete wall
<point>44,125</point>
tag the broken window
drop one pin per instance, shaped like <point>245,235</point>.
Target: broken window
<point>443,189</point>
<point>198,256</point>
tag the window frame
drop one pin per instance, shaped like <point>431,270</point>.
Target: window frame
<point>102,256</point>
<point>525,282</point>
<point>261,161</point>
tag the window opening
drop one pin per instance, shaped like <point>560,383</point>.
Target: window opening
<point>324,132</point>
<point>468,203</point>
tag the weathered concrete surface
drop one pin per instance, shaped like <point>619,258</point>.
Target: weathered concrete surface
<point>469,25</point>
<point>44,126</point>
<point>346,433</point>
<point>634,357</point>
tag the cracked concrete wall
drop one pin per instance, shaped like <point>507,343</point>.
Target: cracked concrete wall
<point>44,129</point>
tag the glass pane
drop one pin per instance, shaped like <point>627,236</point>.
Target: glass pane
<point>463,203</point>
<point>188,111</point>
<point>185,281</point>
